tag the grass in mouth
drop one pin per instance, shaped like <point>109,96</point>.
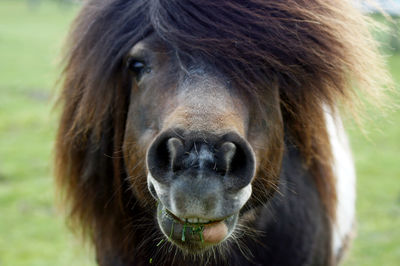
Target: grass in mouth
<point>198,229</point>
<point>194,229</point>
<point>159,243</point>
<point>172,230</point>
<point>183,232</point>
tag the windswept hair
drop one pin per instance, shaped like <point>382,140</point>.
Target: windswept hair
<point>318,53</point>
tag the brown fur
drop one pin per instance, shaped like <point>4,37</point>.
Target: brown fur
<point>313,51</point>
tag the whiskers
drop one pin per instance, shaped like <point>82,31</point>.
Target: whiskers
<point>165,252</point>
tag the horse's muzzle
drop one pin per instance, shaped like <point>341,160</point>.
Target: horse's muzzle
<point>201,181</point>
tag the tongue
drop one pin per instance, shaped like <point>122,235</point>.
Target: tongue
<point>215,233</point>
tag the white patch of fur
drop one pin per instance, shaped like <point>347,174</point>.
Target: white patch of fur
<point>243,195</point>
<point>345,183</point>
<point>161,190</point>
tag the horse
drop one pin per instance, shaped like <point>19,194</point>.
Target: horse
<point>209,132</point>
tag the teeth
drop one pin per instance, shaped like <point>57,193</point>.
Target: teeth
<point>196,221</point>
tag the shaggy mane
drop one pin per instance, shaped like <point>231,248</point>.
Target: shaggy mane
<point>319,53</point>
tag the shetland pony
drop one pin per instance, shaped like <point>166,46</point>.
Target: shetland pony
<point>207,132</point>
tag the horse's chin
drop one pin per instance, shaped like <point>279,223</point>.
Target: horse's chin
<point>195,236</point>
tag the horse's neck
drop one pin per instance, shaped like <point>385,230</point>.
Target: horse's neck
<point>295,219</point>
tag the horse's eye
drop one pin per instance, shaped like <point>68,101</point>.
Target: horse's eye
<point>138,67</point>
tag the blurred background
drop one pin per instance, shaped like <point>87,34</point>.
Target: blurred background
<point>33,231</point>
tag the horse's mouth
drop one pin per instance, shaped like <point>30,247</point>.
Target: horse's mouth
<point>193,221</point>
<point>194,234</point>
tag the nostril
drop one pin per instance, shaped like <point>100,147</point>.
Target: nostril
<point>239,160</point>
<point>162,155</point>
<point>171,156</point>
<point>240,163</point>
<point>175,148</point>
<point>228,150</point>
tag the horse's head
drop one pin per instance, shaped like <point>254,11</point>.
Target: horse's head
<point>199,130</point>
<point>189,106</point>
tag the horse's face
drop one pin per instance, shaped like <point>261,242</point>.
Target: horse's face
<point>199,135</point>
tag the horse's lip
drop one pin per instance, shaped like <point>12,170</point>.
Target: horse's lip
<point>185,220</point>
<point>194,237</point>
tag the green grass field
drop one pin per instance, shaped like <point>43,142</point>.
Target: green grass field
<point>32,231</point>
